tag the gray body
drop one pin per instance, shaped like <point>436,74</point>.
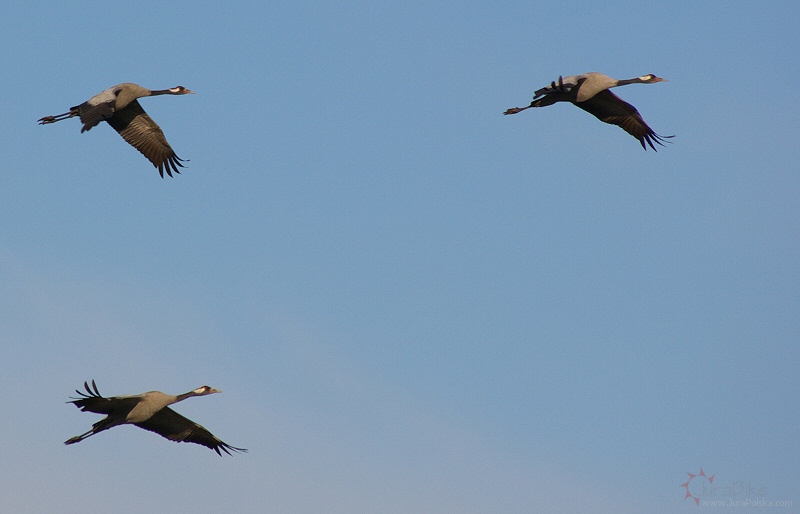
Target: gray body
<point>589,84</point>
<point>148,404</point>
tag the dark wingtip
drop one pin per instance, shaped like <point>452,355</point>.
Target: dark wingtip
<point>228,449</point>
<point>653,137</point>
<point>170,165</point>
<point>82,395</point>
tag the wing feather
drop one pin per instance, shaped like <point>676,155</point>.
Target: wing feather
<point>144,134</point>
<point>564,85</point>
<point>92,114</point>
<point>609,108</point>
<point>92,401</point>
<point>175,427</point>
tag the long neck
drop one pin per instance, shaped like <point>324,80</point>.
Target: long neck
<point>183,396</point>
<point>628,81</point>
<point>160,92</point>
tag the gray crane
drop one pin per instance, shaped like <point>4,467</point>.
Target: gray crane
<point>149,411</point>
<point>119,107</point>
<point>590,92</point>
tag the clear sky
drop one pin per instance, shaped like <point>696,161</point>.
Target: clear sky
<point>411,302</point>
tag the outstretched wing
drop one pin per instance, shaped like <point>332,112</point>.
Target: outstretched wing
<point>98,108</point>
<point>609,108</point>
<point>144,134</point>
<point>92,401</point>
<point>91,115</point>
<point>175,427</point>
<point>563,85</point>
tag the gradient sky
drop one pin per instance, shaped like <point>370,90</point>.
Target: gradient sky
<point>411,302</point>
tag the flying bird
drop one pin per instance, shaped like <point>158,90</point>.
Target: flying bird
<point>149,411</point>
<point>590,92</point>
<point>119,107</point>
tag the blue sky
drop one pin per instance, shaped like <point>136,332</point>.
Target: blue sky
<point>411,302</point>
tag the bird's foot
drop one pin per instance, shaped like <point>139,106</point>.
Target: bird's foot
<point>515,110</point>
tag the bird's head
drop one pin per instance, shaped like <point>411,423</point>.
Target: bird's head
<point>649,79</point>
<point>180,90</point>
<point>200,391</point>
